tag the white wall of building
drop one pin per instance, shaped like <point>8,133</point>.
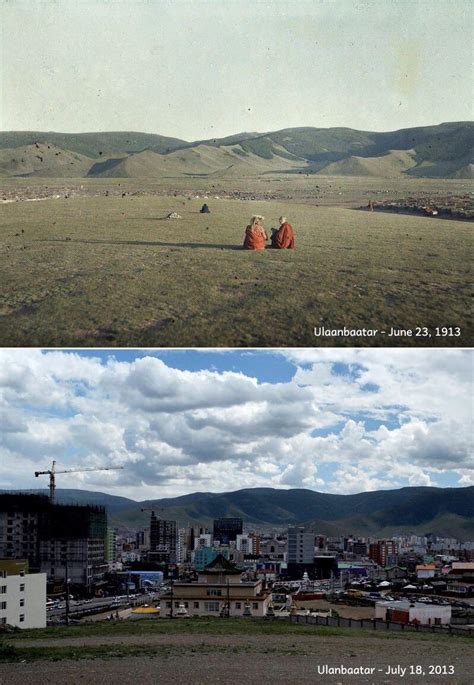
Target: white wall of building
<point>425,614</point>
<point>244,543</point>
<point>204,540</point>
<point>198,606</point>
<point>23,600</point>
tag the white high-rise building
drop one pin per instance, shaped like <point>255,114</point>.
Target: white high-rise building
<point>22,595</point>
<point>244,543</point>
<point>181,546</point>
<point>204,540</point>
<point>300,545</point>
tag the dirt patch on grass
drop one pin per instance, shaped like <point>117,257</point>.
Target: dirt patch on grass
<point>259,659</point>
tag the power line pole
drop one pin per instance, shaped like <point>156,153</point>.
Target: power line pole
<point>172,597</point>
<point>67,588</point>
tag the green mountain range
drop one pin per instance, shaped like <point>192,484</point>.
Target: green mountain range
<point>443,511</point>
<point>442,151</point>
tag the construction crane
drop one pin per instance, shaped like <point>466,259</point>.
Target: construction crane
<point>52,475</point>
<point>153,509</point>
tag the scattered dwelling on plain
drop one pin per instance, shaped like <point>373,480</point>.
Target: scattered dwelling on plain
<point>413,612</point>
<point>219,590</point>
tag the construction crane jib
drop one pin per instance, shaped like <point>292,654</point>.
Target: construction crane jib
<point>53,471</point>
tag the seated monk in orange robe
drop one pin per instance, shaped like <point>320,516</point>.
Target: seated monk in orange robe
<point>284,238</point>
<point>255,236</point>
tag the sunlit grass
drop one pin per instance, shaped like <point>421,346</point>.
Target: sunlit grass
<point>110,271</point>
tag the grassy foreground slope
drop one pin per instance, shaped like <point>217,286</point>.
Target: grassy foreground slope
<point>112,271</point>
<point>203,651</point>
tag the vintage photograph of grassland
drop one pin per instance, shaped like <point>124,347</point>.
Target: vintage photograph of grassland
<point>130,171</point>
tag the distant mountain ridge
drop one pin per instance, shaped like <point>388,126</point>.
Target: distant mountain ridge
<point>443,511</point>
<point>442,151</point>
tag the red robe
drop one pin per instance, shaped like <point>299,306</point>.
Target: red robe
<point>255,238</point>
<point>284,238</point>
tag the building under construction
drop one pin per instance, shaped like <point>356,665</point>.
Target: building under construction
<point>61,540</point>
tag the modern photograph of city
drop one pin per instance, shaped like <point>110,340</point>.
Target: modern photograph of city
<point>236,173</point>
<point>236,342</point>
<point>178,510</point>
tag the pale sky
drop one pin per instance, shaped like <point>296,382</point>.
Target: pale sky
<point>204,68</point>
<point>181,421</point>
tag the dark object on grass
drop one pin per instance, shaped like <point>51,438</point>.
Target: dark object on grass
<point>205,209</point>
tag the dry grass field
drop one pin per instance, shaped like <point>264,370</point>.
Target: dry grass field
<point>97,270</point>
<point>205,651</point>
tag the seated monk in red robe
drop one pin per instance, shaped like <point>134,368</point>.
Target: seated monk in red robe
<point>255,236</point>
<point>284,238</point>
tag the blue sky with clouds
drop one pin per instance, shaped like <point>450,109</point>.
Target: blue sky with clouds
<point>179,421</point>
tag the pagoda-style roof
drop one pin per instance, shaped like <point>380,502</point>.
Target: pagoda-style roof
<point>221,565</point>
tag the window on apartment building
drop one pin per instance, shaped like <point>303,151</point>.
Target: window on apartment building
<point>168,605</point>
<point>176,604</point>
<point>3,589</point>
<point>238,605</point>
<point>3,620</point>
<point>22,618</point>
<point>3,574</point>
<point>22,602</point>
<point>3,605</point>
<point>22,587</point>
<point>22,572</point>
<point>211,607</point>
<point>196,605</point>
<point>214,592</point>
<point>255,605</point>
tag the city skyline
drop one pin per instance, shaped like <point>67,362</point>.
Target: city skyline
<point>181,421</point>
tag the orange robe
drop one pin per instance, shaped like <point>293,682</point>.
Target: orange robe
<point>284,238</point>
<point>255,238</point>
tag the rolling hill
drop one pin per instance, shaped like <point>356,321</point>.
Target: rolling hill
<point>390,165</point>
<point>43,159</point>
<point>442,151</point>
<point>92,145</point>
<point>201,160</point>
<point>443,511</point>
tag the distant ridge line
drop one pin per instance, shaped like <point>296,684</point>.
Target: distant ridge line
<point>439,151</point>
<point>443,511</point>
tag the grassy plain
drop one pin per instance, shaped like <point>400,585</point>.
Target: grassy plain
<point>114,630</point>
<point>97,270</point>
<point>206,650</point>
